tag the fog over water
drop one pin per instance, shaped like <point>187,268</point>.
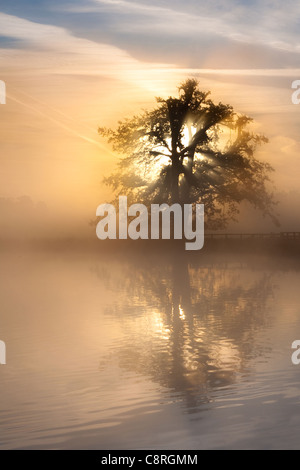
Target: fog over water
<point>133,350</point>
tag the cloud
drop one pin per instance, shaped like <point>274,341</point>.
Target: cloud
<point>194,33</point>
<point>52,49</point>
<point>272,24</point>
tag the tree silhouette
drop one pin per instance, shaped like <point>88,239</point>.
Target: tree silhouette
<point>190,150</point>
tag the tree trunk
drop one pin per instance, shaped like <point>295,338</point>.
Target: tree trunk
<point>175,183</point>
<point>188,172</point>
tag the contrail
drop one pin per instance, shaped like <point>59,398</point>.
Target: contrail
<point>60,124</point>
<point>58,111</point>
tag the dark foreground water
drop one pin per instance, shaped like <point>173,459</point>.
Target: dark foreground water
<point>151,352</point>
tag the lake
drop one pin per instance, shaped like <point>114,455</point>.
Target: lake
<point>149,351</point>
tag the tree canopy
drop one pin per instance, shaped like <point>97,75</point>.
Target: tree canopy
<point>190,150</point>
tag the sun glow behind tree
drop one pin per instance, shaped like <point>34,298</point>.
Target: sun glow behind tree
<point>191,150</point>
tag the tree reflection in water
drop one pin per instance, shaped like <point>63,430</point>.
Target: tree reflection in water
<point>189,326</point>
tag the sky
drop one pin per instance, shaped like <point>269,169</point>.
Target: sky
<point>72,66</point>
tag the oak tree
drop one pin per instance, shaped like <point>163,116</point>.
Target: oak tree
<point>190,150</point>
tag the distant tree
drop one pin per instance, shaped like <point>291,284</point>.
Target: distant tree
<point>190,150</point>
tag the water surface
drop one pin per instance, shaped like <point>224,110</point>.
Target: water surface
<point>149,352</point>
